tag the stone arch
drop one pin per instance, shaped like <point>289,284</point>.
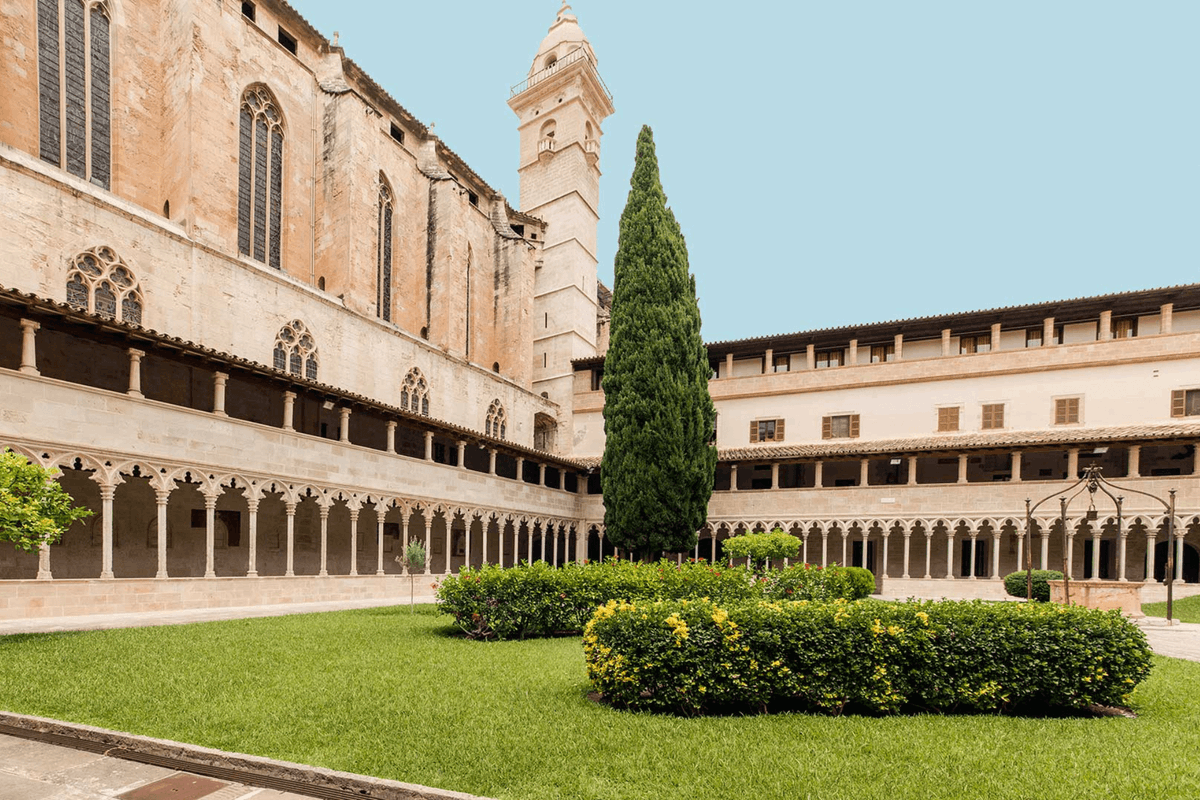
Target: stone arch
<point>295,351</point>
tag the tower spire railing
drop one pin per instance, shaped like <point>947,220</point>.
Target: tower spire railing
<point>564,62</point>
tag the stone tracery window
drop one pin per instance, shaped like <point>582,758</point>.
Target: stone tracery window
<point>496,423</point>
<point>260,177</point>
<point>384,255</point>
<point>74,113</point>
<point>296,351</point>
<point>414,393</point>
<point>99,282</point>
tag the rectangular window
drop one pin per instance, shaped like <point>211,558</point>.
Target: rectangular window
<point>288,41</point>
<point>473,198</point>
<point>1066,411</point>
<point>830,358</point>
<point>993,416</point>
<point>948,419</point>
<point>766,430</point>
<point>840,426</point>
<point>396,133</point>
<point>597,378</point>
<point>980,343</point>
<point>1124,328</point>
<point>783,363</point>
<point>248,10</point>
<point>1033,336</point>
<point>1185,403</point>
<point>881,353</point>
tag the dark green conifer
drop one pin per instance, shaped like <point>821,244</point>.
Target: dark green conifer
<point>657,471</point>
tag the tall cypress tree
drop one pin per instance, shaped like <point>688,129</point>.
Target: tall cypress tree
<point>658,465</point>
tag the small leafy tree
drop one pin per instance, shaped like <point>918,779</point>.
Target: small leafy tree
<point>413,560</point>
<point>762,548</point>
<point>34,509</point>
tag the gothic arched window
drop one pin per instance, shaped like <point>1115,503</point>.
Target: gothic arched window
<point>414,393</point>
<point>260,177</point>
<point>74,114</point>
<point>384,254</point>
<point>99,282</point>
<point>496,423</point>
<point>296,351</point>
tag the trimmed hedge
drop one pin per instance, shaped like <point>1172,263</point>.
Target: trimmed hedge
<point>696,657</point>
<point>1016,583</point>
<point>533,600</point>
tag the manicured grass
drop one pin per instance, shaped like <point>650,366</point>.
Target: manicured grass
<point>386,693</point>
<point>1185,610</point>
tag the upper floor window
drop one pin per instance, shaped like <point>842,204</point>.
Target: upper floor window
<point>782,363</point>
<point>840,426</point>
<point>830,358</point>
<point>980,343</point>
<point>99,282</point>
<point>545,430</point>
<point>1185,403</point>
<point>766,430</point>
<point>496,423</point>
<point>881,353</point>
<point>414,393</point>
<point>1124,328</point>
<point>1034,336</point>
<point>260,177</point>
<point>948,418</point>
<point>993,416</point>
<point>296,351</point>
<point>74,115</point>
<point>384,254</point>
<point>1066,410</point>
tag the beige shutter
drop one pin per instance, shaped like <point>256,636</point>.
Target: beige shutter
<point>826,427</point>
<point>1178,403</point>
<point>1060,412</point>
<point>753,432</point>
<point>779,430</point>
<point>854,426</point>
<point>998,416</point>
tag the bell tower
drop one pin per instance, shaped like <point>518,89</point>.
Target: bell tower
<point>560,107</point>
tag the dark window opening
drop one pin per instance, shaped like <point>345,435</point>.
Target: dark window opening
<point>981,558</point>
<point>396,133</point>
<point>288,41</point>
<point>593,483</point>
<point>1105,559</point>
<point>167,209</point>
<point>519,230</point>
<point>248,10</point>
<point>321,283</point>
<point>473,198</point>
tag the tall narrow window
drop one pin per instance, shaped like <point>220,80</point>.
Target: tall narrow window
<point>99,282</point>
<point>496,422</point>
<point>384,255</point>
<point>260,177</point>
<point>414,393</point>
<point>74,114</point>
<point>296,351</point>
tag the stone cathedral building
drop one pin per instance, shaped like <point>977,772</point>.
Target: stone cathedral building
<point>270,328</point>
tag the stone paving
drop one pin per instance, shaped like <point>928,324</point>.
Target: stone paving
<point>1180,640</point>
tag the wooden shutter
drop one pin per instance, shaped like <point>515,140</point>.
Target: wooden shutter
<point>1060,412</point>
<point>998,416</point>
<point>753,432</point>
<point>1178,403</point>
<point>779,430</point>
<point>854,426</point>
<point>827,427</point>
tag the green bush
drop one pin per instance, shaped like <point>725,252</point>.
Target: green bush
<point>862,583</point>
<point>1016,583</point>
<point>536,599</point>
<point>695,657</point>
<point>762,548</point>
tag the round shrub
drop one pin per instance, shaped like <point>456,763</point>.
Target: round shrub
<point>1016,583</point>
<point>696,656</point>
<point>862,583</point>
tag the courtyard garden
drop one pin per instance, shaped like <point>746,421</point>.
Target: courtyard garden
<point>407,696</point>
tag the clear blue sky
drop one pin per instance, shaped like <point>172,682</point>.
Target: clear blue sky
<point>853,161</point>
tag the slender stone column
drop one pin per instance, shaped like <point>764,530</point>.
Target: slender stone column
<point>912,470</point>
<point>1122,556</point>
<point>380,513</point>
<point>803,546</point>
<point>866,533</point>
<point>289,410</point>
<point>520,476</point>
<point>696,551</point>
<point>344,425</point>
<point>556,538</point>
<point>1021,550</point>
<point>819,474</point>
<point>449,520</point>
<point>492,462</point>
<point>728,366</point>
<point>769,362</point>
<point>928,553</point>
<point>135,372</point>
<point>1044,555</point>
<point>1016,467</point>
<point>974,541</point>
<point>462,455</point>
<point>324,512</point>
<point>846,547</point>
<point>1072,463</point>
<point>353,541</point>
<point>1071,555</point>
<point>996,556</point>
<point>899,346</point>
<point>824,548</point>
<point>544,559</point>
<point>945,341</point>
<point>428,541</point>
<point>428,448</point>
<point>467,540</point>
<point>161,498</point>
<point>1135,461</point>
<point>1095,554</point>
<point>883,567</point>
<point>1048,332</point>
<point>252,564</point>
<point>733,477</point>
<point>529,542</point>
<point>775,475</point>
<point>391,436</point>
<point>907,552</point>
<point>44,573</point>
<point>962,467</point>
<point>1104,329</point>
<point>864,470</point>
<point>290,508</point>
<point>219,381</point>
<point>810,357</point>
<point>404,515</point>
<point>1166,312</point>
<point>28,364</point>
<point>484,524</point>
<point>852,359</point>
<point>949,552</point>
<point>210,533</point>
<point>1178,557</point>
<point>995,336</point>
<point>541,474</point>
<point>1150,542</point>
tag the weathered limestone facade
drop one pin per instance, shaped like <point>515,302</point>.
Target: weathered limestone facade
<point>271,329</point>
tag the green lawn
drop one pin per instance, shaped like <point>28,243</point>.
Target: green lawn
<point>386,693</point>
<point>1185,610</point>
